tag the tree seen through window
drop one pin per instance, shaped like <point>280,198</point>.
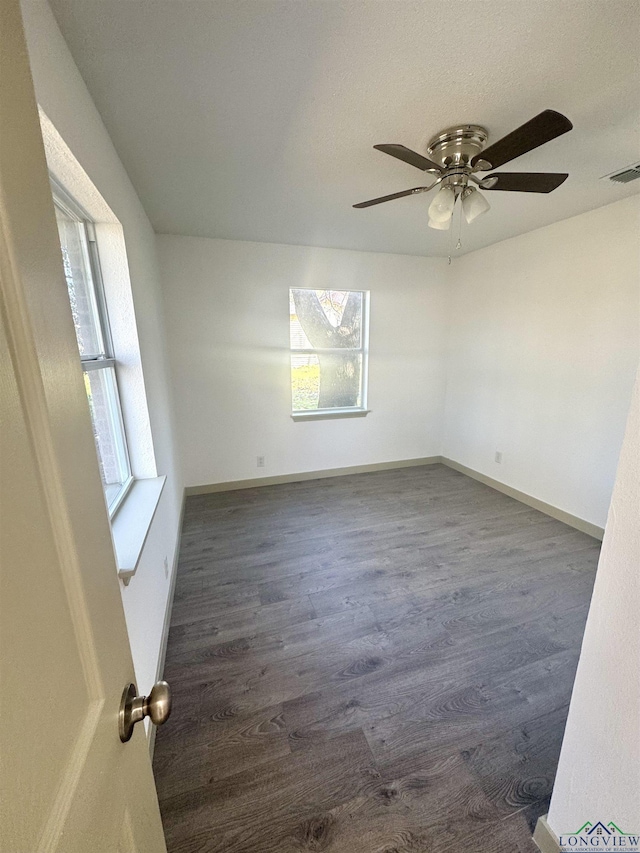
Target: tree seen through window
<point>328,336</point>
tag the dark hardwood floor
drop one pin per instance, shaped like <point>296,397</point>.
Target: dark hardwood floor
<point>378,663</point>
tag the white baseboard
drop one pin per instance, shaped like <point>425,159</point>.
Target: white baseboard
<point>553,511</point>
<point>302,476</point>
<point>559,514</point>
<point>545,838</point>
<point>167,619</point>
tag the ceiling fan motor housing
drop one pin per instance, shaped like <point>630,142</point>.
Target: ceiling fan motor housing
<point>456,146</point>
<point>454,149</point>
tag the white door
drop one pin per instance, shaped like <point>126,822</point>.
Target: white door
<point>67,782</point>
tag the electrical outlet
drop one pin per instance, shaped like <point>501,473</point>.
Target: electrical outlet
<point>166,566</point>
<point>260,460</point>
<point>499,456</point>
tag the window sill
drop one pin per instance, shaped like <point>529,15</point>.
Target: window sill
<point>329,414</point>
<point>131,524</point>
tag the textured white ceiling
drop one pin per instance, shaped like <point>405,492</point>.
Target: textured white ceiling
<point>255,119</point>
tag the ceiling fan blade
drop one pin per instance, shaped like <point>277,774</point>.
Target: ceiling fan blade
<point>526,182</point>
<point>410,157</point>
<point>543,128</point>
<point>391,197</point>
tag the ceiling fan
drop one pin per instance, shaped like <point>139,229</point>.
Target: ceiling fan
<point>458,153</point>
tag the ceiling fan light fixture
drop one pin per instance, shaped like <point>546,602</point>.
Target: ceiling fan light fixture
<point>474,204</point>
<point>440,226</point>
<point>441,208</point>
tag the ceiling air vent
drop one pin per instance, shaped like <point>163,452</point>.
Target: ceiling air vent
<point>623,176</point>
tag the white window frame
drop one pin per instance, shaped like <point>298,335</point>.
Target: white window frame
<point>106,360</point>
<point>363,350</point>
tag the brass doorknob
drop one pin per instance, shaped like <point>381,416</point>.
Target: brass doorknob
<point>133,708</point>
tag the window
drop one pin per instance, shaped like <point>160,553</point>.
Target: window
<point>82,272</point>
<point>328,330</point>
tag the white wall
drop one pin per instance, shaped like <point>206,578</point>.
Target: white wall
<point>542,348</point>
<point>227,314</point>
<point>64,98</point>
<point>599,771</point>
<point>542,336</point>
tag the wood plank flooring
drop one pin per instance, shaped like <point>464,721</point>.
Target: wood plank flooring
<point>378,663</point>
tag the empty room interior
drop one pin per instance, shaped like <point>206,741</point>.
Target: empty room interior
<point>321,467</point>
